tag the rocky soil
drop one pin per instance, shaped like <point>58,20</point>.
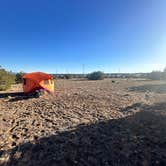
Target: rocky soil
<point>86,123</point>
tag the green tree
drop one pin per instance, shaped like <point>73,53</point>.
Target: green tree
<point>19,77</point>
<point>6,79</point>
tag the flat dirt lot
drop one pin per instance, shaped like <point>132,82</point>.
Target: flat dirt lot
<point>86,123</point>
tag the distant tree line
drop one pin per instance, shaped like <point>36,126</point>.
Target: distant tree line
<point>7,78</point>
<point>68,76</point>
<point>98,75</point>
<point>154,75</point>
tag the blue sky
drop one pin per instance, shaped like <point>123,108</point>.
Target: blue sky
<point>62,35</point>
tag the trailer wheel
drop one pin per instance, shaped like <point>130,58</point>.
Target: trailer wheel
<point>37,94</point>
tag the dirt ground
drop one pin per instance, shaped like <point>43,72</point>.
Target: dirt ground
<point>86,123</point>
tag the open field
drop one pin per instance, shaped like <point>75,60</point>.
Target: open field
<point>86,123</point>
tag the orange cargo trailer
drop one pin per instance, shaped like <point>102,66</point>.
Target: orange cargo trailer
<point>37,81</point>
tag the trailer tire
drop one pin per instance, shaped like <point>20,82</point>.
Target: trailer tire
<point>37,94</point>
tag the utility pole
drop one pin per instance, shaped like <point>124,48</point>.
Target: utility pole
<point>83,70</point>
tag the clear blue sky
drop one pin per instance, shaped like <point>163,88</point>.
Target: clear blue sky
<point>62,35</point>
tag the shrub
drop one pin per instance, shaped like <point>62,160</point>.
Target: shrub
<point>67,76</point>
<point>6,79</point>
<point>164,70</point>
<point>98,75</point>
<point>155,75</point>
<point>164,74</point>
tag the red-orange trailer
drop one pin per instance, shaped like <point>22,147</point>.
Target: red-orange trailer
<point>36,81</point>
